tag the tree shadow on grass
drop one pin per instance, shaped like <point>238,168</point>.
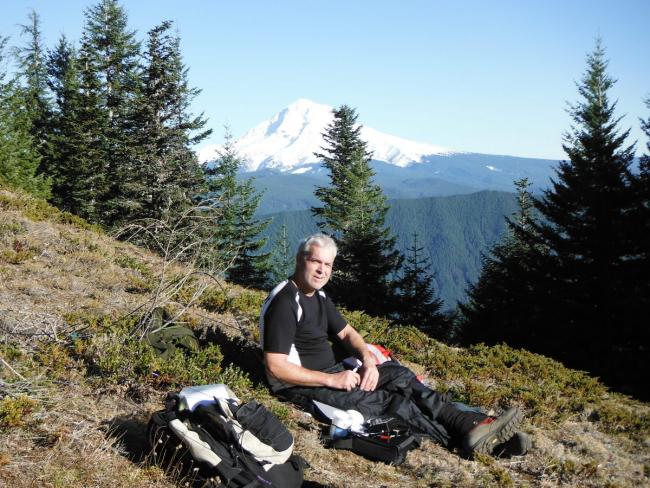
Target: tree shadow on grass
<point>131,433</point>
<point>240,352</point>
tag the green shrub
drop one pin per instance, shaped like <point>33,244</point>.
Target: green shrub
<point>20,252</point>
<point>249,303</point>
<point>404,342</point>
<point>238,381</point>
<point>16,411</point>
<point>78,222</point>
<point>88,322</point>
<point>216,300</point>
<point>139,285</point>
<point>56,357</point>
<point>243,302</point>
<point>120,358</point>
<point>11,352</point>
<point>12,228</point>
<point>500,375</point>
<point>621,419</point>
<point>129,262</point>
<point>37,210</point>
<point>183,369</point>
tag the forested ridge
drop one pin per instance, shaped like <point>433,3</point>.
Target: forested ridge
<point>454,232</point>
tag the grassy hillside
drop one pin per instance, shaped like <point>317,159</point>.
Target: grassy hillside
<point>453,231</point>
<point>77,385</point>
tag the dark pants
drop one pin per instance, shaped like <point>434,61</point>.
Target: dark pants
<point>398,393</point>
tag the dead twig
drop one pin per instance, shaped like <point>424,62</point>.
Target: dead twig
<point>189,243</point>
<point>8,366</point>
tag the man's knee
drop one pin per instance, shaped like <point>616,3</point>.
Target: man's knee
<point>394,375</point>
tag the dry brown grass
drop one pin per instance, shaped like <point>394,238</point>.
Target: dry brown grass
<point>84,433</point>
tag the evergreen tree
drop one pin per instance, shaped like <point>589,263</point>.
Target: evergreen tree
<point>500,301</point>
<point>353,212</point>
<point>639,261</point>
<point>163,174</point>
<point>65,142</point>
<point>238,240</point>
<point>642,185</point>
<point>109,58</point>
<point>578,301</point>
<point>282,259</point>
<point>643,189</point>
<point>32,71</point>
<point>76,140</point>
<point>19,159</point>
<point>585,229</point>
<point>419,305</point>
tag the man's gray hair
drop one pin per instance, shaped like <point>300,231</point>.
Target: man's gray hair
<point>320,240</point>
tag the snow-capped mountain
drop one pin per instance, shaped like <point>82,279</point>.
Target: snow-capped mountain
<point>279,153</point>
<point>287,141</point>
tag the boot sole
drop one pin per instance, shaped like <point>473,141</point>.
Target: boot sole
<point>503,429</point>
<point>518,445</point>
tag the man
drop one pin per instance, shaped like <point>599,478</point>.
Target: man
<point>295,323</point>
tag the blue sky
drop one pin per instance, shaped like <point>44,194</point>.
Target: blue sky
<point>491,77</point>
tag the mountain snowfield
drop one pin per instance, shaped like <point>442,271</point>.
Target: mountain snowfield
<point>288,140</point>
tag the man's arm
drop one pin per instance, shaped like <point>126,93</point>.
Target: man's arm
<point>278,365</point>
<point>369,373</point>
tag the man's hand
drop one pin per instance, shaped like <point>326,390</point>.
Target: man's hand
<point>345,380</point>
<point>369,376</point>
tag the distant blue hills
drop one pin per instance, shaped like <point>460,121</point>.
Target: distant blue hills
<point>438,175</point>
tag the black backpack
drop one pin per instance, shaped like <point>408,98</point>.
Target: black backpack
<point>224,444</point>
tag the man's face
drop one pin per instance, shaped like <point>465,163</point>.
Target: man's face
<point>313,271</point>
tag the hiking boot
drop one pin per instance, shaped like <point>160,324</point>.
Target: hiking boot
<point>518,445</point>
<point>492,431</point>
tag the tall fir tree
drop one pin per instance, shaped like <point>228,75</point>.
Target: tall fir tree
<point>640,230</point>
<point>237,237</point>
<point>353,212</point>
<point>418,303</point>
<point>499,302</point>
<point>76,142</point>
<point>19,158</point>
<point>282,259</point>
<point>68,165</point>
<point>32,72</point>
<point>162,174</point>
<point>584,226</point>
<point>643,189</point>
<point>578,301</point>
<point>642,184</point>
<point>109,56</point>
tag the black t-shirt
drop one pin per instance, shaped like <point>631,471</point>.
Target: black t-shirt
<point>299,326</point>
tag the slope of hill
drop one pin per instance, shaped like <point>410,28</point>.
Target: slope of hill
<point>454,231</point>
<point>77,385</point>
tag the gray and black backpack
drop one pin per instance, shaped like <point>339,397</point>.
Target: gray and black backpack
<point>207,438</point>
